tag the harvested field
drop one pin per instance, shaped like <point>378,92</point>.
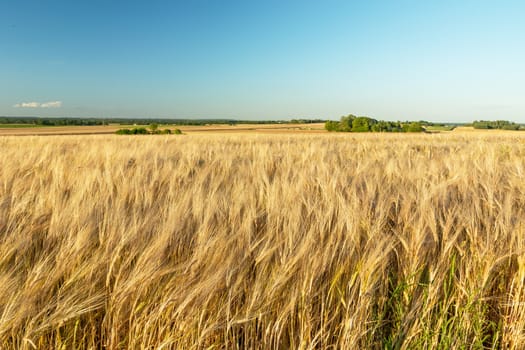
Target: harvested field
<point>263,241</point>
<point>217,128</point>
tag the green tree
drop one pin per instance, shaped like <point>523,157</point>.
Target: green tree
<point>362,124</point>
<point>153,127</point>
<point>123,132</point>
<point>413,127</point>
<point>331,125</point>
<point>346,123</point>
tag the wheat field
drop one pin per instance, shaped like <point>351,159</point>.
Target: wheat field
<point>262,242</point>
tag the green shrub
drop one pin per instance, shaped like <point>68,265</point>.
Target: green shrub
<point>362,124</point>
<point>139,131</point>
<point>413,127</point>
<point>144,131</point>
<point>153,127</point>
<point>331,125</point>
<point>511,127</point>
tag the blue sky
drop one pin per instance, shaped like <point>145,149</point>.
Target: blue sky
<point>407,60</point>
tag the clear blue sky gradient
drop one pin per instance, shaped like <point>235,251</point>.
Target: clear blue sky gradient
<point>271,59</point>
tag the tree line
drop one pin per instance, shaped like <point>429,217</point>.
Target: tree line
<point>153,130</point>
<point>352,123</point>
<point>496,124</point>
<point>142,121</point>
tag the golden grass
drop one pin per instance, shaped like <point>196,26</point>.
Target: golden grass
<point>274,241</point>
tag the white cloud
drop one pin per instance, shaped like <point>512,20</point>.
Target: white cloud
<point>27,105</point>
<point>50,104</point>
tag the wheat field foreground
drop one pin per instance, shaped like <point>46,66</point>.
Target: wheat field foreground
<point>265,242</point>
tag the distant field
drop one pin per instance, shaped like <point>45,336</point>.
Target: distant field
<point>314,128</point>
<point>110,129</point>
<point>16,126</point>
<point>257,241</point>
